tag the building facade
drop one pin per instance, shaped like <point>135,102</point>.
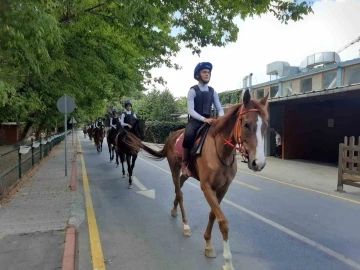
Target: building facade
<point>313,106</point>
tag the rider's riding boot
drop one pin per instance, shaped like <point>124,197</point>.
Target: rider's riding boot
<point>184,164</point>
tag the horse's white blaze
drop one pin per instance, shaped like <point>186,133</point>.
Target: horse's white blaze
<point>186,227</point>
<point>260,151</point>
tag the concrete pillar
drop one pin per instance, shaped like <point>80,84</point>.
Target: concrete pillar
<point>339,76</point>
<point>280,92</point>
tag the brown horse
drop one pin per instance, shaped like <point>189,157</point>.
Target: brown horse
<point>110,138</point>
<point>98,138</point>
<point>90,133</point>
<point>244,124</point>
<point>125,152</point>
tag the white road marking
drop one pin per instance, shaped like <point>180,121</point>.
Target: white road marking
<point>304,239</point>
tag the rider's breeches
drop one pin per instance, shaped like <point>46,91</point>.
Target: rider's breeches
<point>190,132</point>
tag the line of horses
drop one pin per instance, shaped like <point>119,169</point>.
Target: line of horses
<point>244,125</point>
<point>116,140</point>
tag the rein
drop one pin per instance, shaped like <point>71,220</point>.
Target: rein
<point>238,140</point>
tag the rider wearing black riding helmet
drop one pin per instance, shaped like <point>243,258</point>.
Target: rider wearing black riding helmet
<point>114,119</point>
<point>128,117</point>
<point>199,101</point>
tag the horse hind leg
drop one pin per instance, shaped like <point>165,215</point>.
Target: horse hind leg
<point>178,183</point>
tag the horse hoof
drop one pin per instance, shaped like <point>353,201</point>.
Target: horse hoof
<point>123,176</point>
<point>174,213</point>
<point>210,253</point>
<point>187,232</point>
<point>226,267</point>
<point>117,165</point>
<point>130,186</point>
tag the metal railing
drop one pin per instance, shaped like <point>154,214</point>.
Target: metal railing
<point>14,164</point>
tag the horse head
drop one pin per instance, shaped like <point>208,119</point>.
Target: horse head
<point>138,129</point>
<point>246,124</point>
<point>252,126</point>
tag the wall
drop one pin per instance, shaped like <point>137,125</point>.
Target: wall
<point>9,134</point>
<point>306,134</point>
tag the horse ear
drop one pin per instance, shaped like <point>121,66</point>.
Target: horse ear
<point>247,97</point>
<point>264,100</point>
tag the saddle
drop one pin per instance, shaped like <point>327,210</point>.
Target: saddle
<point>198,144</point>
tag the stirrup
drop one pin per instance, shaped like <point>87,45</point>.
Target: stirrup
<point>185,170</point>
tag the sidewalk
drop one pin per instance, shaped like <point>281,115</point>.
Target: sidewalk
<point>33,223</point>
<point>317,176</point>
<point>312,175</point>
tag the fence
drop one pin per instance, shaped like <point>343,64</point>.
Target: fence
<point>17,162</point>
<point>349,164</point>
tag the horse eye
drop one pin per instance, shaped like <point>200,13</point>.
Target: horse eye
<point>247,125</point>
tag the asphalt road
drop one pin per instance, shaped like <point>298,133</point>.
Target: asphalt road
<point>272,226</point>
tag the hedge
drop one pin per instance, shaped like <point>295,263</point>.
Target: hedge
<point>158,132</point>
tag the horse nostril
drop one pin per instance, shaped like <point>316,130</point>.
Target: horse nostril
<point>254,163</point>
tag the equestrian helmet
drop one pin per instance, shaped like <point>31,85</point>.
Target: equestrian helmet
<point>201,66</point>
<point>127,103</point>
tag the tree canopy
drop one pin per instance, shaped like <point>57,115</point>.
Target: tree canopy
<point>99,51</point>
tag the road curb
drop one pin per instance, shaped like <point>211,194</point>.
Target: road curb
<point>73,180</point>
<point>68,262</point>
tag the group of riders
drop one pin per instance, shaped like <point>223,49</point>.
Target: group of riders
<point>116,123</point>
<point>200,99</point>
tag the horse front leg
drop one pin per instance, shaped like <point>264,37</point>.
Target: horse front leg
<point>117,158</point>
<point>122,160</point>
<point>110,148</point>
<point>214,198</point>
<point>178,183</point>
<point>128,162</point>
<point>112,153</point>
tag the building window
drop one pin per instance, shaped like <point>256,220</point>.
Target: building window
<point>287,88</point>
<point>274,91</point>
<point>352,75</point>
<point>260,93</point>
<point>329,79</point>
<point>306,85</point>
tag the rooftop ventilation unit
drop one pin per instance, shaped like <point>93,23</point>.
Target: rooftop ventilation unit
<point>323,58</point>
<point>281,69</point>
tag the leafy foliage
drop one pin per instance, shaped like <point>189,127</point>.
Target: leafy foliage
<point>99,51</point>
<point>230,97</point>
<point>157,131</point>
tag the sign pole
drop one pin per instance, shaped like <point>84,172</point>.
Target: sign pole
<point>72,127</point>
<point>65,105</point>
<point>65,135</point>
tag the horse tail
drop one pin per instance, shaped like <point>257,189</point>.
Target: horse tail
<point>135,143</point>
<point>157,155</point>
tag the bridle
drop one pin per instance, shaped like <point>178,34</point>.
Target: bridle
<point>238,128</point>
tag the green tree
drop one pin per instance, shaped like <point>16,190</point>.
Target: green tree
<point>98,51</point>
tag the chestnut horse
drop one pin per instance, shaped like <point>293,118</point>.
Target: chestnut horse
<point>244,124</point>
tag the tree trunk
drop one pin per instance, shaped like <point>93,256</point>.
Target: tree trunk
<point>25,131</point>
<point>38,132</point>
